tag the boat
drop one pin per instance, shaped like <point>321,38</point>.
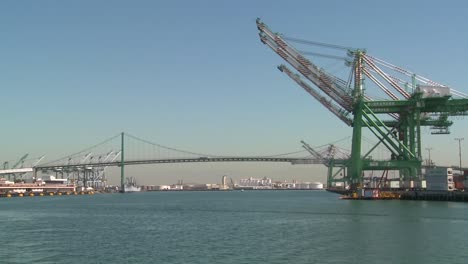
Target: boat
<point>131,186</point>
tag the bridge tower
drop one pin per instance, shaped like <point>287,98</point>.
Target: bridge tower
<point>122,163</point>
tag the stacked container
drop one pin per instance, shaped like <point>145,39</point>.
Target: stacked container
<point>395,184</point>
<point>439,179</point>
<point>413,184</point>
<point>459,181</point>
<point>465,175</point>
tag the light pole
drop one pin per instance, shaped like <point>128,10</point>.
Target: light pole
<point>459,150</point>
<point>429,161</point>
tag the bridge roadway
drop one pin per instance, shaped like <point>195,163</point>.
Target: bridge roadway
<point>293,161</point>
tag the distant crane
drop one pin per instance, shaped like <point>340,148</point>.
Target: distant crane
<point>18,163</point>
<point>413,103</point>
<point>331,160</point>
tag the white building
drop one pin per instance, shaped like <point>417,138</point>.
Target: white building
<point>164,187</point>
<point>255,182</point>
<point>267,183</point>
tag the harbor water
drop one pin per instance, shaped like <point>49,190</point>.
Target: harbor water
<point>230,227</point>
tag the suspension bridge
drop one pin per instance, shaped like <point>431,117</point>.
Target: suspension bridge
<point>88,165</point>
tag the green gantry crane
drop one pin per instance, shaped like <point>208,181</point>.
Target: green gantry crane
<point>332,158</point>
<point>420,102</point>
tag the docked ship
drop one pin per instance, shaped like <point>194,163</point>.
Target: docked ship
<point>131,186</point>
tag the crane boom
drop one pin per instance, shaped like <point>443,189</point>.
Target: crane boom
<point>380,84</point>
<point>393,83</point>
<point>20,161</point>
<point>113,156</point>
<point>341,113</point>
<point>87,156</point>
<point>108,155</point>
<point>322,80</point>
<point>327,160</point>
<point>313,152</point>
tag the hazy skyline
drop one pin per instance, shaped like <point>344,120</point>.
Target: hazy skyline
<point>194,75</point>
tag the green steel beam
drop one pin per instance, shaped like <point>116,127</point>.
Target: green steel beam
<point>388,106</point>
<point>355,167</point>
<point>390,164</point>
<point>384,134</point>
<point>426,105</point>
<point>453,106</point>
<point>441,123</point>
<point>381,139</point>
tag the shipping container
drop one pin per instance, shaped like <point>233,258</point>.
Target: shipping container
<point>439,171</point>
<point>458,178</point>
<point>394,184</point>
<point>412,184</point>
<point>459,185</point>
<point>408,184</point>
<point>439,178</point>
<point>440,186</point>
<point>366,193</point>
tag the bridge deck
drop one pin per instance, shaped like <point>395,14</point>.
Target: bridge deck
<point>185,160</point>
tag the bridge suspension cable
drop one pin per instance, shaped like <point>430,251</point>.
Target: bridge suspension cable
<point>168,148</point>
<point>87,150</point>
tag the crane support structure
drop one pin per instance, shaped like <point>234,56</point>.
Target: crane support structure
<point>412,104</point>
<point>330,161</point>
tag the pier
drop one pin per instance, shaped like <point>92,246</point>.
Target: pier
<point>415,195</point>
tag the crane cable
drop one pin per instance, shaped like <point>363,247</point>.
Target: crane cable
<point>315,43</point>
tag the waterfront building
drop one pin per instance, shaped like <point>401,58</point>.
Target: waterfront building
<point>255,182</point>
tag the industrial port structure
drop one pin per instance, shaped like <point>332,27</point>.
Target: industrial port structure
<point>413,103</point>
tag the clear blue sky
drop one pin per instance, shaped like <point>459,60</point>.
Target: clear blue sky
<point>193,74</point>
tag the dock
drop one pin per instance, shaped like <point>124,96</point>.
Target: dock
<point>20,189</point>
<point>415,195</point>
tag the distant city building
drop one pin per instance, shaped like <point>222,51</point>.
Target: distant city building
<point>267,183</point>
<point>224,185</point>
<point>254,182</point>
<point>177,187</point>
<point>247,184</point>
<point>164,187</point>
